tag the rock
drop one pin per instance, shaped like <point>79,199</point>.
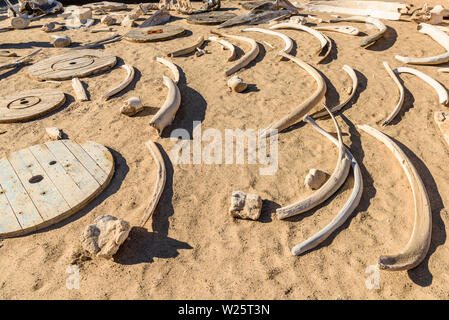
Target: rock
<point>315,179</point>
<point>108,20</point>
<point>51,26</point>
<point>245,206</point>
<point>54,133</point>
<point>80,12</point>
<point>104,237</point>
<point>128,22</point>
<point>236,84</point>
<point>132,106</point>
<point>61,41</point>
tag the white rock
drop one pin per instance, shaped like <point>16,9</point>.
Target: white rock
<point>128,22</point>
<point>245,206</point>
<point>132,106</point>
<point>236,84</point>
<point>54,133</point>
<point>61,41</point>
<point>104,237</point>
<point>108,20</point>
<point>315,179</point>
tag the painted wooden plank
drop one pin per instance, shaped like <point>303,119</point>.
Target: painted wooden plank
<point>87,161</point>
<point>8,220</point>
<point>24,209</point>
<point>78,173</point>
<point>100,154</point>
<point>62,179</point>
<point>43,193</point>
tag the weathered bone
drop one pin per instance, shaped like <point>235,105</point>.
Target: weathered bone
<point>128,79</point>
<point>315,178</point>
<point>297,26</point>
<point>167,112</point>
<point>401,94</point>
<point>199,42</point>
<point>131,106</point>
<point>247,58</point>
<point>301,110</point>
<point>160,182</point>
<point>288,42</point>
<point>347,209</point>
<point>225,44</point>
<point>368,41</point>
<point>173,68</point>
<point>441,91</point>
<point>236,84</point>
<point>54,133</point>
<point>418,245</point>
<point>355,83</point>
<point>341,29</point>
<point>334,182</point>
<point>441,118</point>
<point>80,92</point>
<point>439,36</point>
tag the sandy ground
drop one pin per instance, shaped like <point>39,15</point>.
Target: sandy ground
<point>192,248</point>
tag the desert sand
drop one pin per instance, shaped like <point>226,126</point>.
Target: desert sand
<point>192,248</point>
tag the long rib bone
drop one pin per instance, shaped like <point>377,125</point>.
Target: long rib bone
<point>300,111</point>
<point>160,182</point>
<point>297,26</point>
<point>439,36</point>
<point>416,249</point>
<point>355,83</point>
<point>199,42</point>
<point>442,93</point>
<point>247,58</point>
<point>348,207</point>
<point>225,44</point>
<point>376,22</point>
<point>401,94</point>
<point>341,29</point>
<point>129,78</point>
<point>173,68</point>
<point>288,42</point>
<point>334,182</point>
<point>167,112</point>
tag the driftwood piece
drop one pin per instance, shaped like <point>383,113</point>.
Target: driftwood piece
<point>160,181</point>
<point>128,79</point>
<point>167,112</point>
<point>300,111</point>
<point>80,92</point>
<point>418,245</point>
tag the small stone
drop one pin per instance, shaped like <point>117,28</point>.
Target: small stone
<point>315,179</point>
<point>61,41</point>
<point>132,106</point>
<point>54,133</point>
<point>104,237</point>
<point>128,22</point>
<point>245,206</point>
<point>108,20</point>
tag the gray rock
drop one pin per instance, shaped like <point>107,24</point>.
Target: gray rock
<point>245,206</point>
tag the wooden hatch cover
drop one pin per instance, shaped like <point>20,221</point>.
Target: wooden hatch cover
<point>210,18</point>
<point>29,104</point>
<point>154,33</point>
<point>44,184</point>
<point>70,65</point>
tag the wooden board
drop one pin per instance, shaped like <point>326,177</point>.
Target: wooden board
<point>210,18</point>
<point>44,184</point>
<point>154,33</point>
<point>442,120</point>
<point>70,65</point>
<point>29,104</point>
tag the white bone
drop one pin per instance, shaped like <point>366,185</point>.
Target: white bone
<point>129,78</point>
<point>225,44</point>
<point>199,42</point>
<point>173,68</point>
<point>401,94</point>
<point>80,92</point>
<point>287,41</point>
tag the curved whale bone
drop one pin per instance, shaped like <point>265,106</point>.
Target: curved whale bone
<point>128,79</point>
<point>340,29</point>
<point>323,113</point>
<point>247,58</point>
<point>374,21</point>
<point>439,36</point>
<point>173,68</point>
<point>160,182</point>
<point>288,43</point>
<point>347,209</point>
<point>167,112</point>
<point>334,182</point>
<point>300,111</point>
<point>401,94</point>
<point>441,91</point>
<point>199,42</point>
<point>226,45</point>
<point>298,26</point>
<point>418,245</point>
